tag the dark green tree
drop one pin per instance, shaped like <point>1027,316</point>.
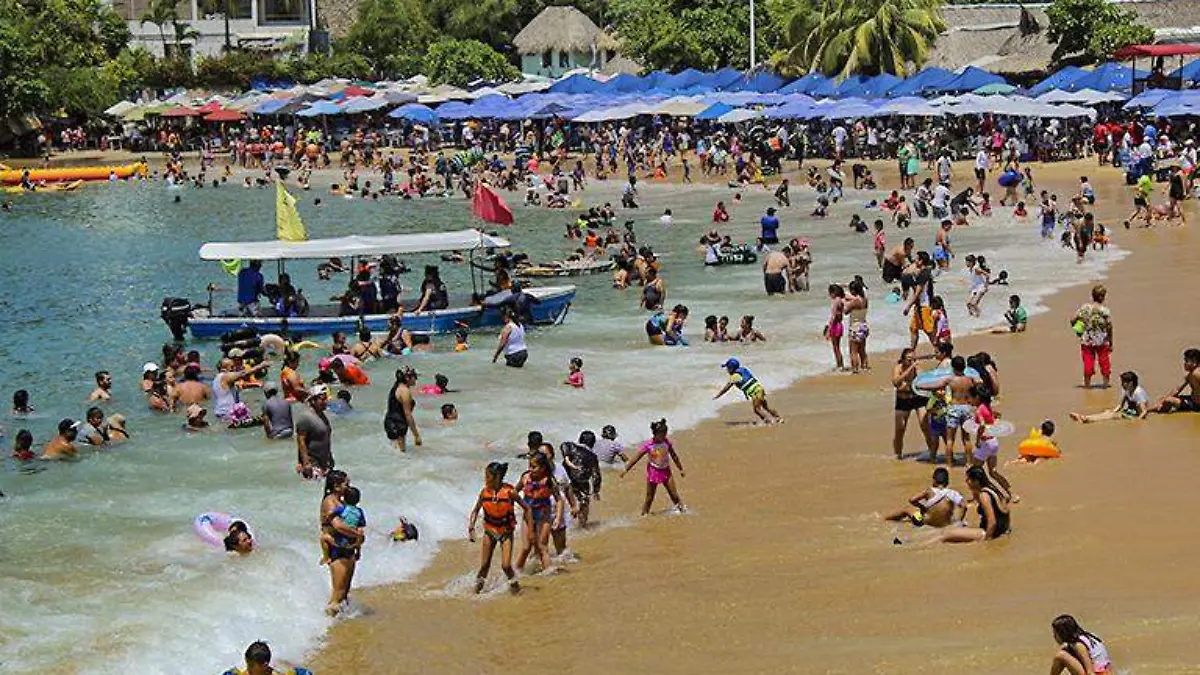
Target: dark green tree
<point>1092,29</point>
<point>460,62</point>
<point>389,35</point>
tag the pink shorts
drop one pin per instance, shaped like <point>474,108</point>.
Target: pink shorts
<point>837,329</point>
<point>656,475</point>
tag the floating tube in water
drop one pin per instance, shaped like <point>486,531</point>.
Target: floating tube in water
<point>1038,446</point>
<point>213,527</point>
<point>72,173</point>
<point>930,376</point>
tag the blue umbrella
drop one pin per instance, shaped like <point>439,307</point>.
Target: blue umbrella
<point>970,79</point>
<point>415,112</point>
<point>1107,77</point>
<point>714,111</point>
<point>1190,72</point>
<point>321,108</point>
<point>1058,80</point>
<point>626,82</point>
<point>880,84</point>
<point>721,79</point>
<point>454,111</point>
<point>925,81</point>
<point>576,84</point>
<point>804,85</point>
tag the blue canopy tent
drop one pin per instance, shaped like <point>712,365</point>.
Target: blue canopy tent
<point>855,85</point>
<point>271,106</point>
<point>454,111</point>
<point>576,84</point>
<point>826,89</point>
<point>714,111</point>
<point>804,85</point>
<point>761,81</point>
<point>922,82</point>
<point>1110,76</point>
<point>789,111</point>
<point>879,85</point>
<point>362,104</point>
<point>1058,80</point>
<point>320,109</point>
<point>720,79</point>
<point>626,83</point>
<point>681,80</point>
<point>1189,72</point>
<point>655,79</point>
<point>415,112</point>
<point>970,79</point>
<point>1148,98</point>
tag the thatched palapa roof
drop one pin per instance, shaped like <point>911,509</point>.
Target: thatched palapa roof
<point>621,64</point>
<point>562,29</point>
<point>1011,38</point>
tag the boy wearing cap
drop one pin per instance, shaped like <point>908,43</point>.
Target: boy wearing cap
<point>743,379</point>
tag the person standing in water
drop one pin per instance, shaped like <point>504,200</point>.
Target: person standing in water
<point>836,328</point>
<point>544,509</point>
<point>512,341</point>
<point>314,436</point>
<point>855,307</point>
<point>399,419</point>
<point>103,390</point>
<point>654,294</point>
<point>907,402</point>
<point>498,501</point>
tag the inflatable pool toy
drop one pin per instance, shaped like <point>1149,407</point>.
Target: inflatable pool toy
<point>1009,178</point>
<point>999,429</point>
<point>740,255</point>
<point>405,531</point>
<point>72,173</point>
<point>213,527</point>
<point>1078,327</point>
<point>892,298</point>
<point>928,377</point>
<point>1037,446</point>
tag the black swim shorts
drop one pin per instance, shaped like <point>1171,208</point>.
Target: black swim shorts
<point>774,283</point>
<point>395,426</point>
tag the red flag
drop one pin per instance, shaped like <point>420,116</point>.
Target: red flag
<point>489,207</point>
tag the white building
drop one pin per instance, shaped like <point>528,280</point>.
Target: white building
<point>268,25</point>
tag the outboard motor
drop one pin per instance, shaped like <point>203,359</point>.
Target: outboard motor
<point>175,313</point>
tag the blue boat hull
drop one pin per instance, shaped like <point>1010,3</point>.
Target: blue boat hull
<point>555,302</point>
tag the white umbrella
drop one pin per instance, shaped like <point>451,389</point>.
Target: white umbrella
<point>739,115</point>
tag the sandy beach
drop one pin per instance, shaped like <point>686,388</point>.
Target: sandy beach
<point>784,565</point>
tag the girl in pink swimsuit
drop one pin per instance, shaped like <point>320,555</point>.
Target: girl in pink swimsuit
<point>658,468</point>
<point>835,328</point>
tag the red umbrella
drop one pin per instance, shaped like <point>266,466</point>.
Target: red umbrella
<point>210,107</point>
<point>180,111</point>
<point>224,116</point>
<point>489,207</point>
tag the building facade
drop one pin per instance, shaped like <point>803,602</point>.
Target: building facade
<point>267,25</point>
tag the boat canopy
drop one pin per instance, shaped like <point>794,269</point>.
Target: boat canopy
<point>354,245</point>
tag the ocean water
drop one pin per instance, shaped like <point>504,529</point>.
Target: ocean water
<point>99,569</point>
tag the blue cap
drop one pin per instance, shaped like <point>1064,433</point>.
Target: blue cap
<point>731,363</point>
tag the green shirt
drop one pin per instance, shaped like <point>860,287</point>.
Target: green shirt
<point>1144,186</point>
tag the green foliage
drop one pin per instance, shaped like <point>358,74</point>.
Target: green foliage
<point>459,62</point>
<point>1093,28</point>
<point>701,34</point>
<point>25,89</point>
<point>388,35</point>
<point>844,37</point>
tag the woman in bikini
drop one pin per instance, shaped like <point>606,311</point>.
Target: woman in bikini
<point>992,509</point>
<point>855,307</point>
<point>908,401</point>
<point>498,501</point>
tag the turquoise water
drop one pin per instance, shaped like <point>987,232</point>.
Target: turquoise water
<point>99,566</point>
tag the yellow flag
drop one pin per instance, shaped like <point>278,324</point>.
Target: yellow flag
<point>288,225</point>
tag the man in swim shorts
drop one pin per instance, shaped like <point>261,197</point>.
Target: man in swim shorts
<point>775,267</point>
<point>919,276</point>
<point>1178,401</point>
<point>895,261</point>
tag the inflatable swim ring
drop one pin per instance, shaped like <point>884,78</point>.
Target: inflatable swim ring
<point>930,376</point>
<point>1037,446</point>
<point>737,256</point>
<point>1000,429</point>
<point>1009,178</point>
<point>212,528</point>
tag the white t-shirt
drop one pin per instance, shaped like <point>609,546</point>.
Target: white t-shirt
<point>943,167</point>
<point>982,161</point>
<point>943,494</point>
<point>839,135</point>
<point>1139,396</point>
<point>667,220</point>
<point>941,196</point>
<point>607,450</point>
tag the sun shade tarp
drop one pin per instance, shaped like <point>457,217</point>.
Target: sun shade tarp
<point>355,245</point>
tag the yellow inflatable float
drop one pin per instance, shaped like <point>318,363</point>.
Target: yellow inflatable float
<point>1038,446</point>
<point>70,174</point>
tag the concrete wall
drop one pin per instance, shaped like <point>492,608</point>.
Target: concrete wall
<point>534,64</point>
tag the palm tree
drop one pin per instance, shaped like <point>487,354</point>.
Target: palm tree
<point>843,37</point>
<point>160,13</point>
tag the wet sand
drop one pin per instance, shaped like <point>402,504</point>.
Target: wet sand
<point>783,564</point>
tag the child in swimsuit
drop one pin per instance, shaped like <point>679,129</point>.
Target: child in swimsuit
<point>343,537</point>
<point>498,501</point>
<point>661,453</point>
<point>544,508</point>
<point>941,320</point>
<point>575,374</point>
<point>987,446</point>
<point>937,505</point>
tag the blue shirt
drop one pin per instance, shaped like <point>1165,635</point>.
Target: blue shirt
<point>351,516</point>
<point>250,283</point>
<point>770,225</point>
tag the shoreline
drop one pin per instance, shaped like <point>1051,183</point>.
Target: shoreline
<point>739,554</point>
